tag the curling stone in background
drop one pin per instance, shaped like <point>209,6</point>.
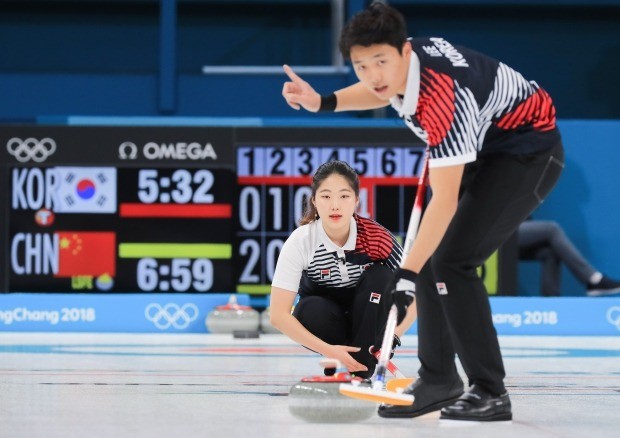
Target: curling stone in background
<point>265,323</point>
<point>317,399</point>
<point>233,318</point>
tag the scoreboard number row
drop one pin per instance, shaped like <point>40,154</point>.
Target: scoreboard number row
<point>254,202</point>
<point>303,161</point>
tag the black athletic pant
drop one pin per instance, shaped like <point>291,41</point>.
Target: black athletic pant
<point>348,316</point>
<point>454,315</point>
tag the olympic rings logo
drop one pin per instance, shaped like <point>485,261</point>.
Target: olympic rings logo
<point>171,315</point>
<point>613,316</point>
<point>31,149</point>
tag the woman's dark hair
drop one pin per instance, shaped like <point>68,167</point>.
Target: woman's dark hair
<point>324,171</point>
<point>377,24</point>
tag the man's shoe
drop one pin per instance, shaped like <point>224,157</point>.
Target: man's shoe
<point>479,405</point>
<point>428,397</point>
<point>604,288</point>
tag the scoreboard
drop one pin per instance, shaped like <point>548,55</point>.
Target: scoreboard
<point>118,229</point>
<point>177,209</point>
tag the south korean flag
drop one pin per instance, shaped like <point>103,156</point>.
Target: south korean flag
<point>86,190</point>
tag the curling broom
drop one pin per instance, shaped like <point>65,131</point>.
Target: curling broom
<point>391,392</point>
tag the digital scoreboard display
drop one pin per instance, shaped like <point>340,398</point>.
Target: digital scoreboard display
<point>118,229</point>
<point>125,210</point>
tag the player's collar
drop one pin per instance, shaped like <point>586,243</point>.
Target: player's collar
<point>331,246</point>
<point>408,104</point>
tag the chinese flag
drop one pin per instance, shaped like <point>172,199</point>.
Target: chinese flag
<point>86,253</point>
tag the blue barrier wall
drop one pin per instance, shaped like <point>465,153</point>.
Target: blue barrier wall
<point>129,313</point>
<point>186,313</point>
<point>585,201</point>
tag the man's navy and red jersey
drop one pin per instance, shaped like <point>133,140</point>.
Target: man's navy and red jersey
<point>310,263</point>
<point>464,104</point>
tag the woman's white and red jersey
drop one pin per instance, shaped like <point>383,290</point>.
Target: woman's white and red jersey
<point>464,104</point>
<point>310,262</point>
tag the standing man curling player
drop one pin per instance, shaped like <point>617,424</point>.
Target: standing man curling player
<point>495,154</point>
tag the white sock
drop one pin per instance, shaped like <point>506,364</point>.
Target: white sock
<point>596,278</point>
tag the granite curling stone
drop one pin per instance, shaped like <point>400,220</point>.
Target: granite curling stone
<point>232,317</point>
<point>317,399</point>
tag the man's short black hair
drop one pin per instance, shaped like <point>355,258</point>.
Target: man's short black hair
<point>377,24</point>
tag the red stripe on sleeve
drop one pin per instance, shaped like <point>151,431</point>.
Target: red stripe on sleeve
<point>537,110</point>
<point>436,105</point>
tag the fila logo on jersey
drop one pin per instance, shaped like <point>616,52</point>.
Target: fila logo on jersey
<point>326,274</point>
<point>442,289</point>
<point>375,297</point>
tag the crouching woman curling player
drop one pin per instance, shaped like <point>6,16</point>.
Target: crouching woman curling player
<point>339,263</point>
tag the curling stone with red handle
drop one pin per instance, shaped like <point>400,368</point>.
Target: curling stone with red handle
<point>233,317</point>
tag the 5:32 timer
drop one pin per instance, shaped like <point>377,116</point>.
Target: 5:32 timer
<point>181,187</point>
